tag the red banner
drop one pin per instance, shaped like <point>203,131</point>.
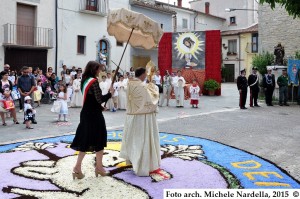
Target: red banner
<point>213,57</point>
<point>165,53</point>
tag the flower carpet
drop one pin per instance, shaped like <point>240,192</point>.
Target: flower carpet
<point>43,169</point>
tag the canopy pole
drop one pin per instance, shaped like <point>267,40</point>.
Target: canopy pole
<point>118,67</point>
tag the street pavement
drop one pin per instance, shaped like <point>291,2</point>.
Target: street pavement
<point>272,133</point>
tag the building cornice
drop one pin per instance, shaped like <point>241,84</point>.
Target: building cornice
<point>251,29</point>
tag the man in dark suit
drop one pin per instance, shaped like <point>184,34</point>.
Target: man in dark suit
<point>242,85</point>
<point>253,82</point>
<point>269,86</point>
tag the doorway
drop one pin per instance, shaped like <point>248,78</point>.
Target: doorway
<point>103,52</point>
<point>17,58</point>
<point>229,72</point>
<point>25,24</point>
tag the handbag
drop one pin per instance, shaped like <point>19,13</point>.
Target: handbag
<point>56,107</point>
<point>8,104</point>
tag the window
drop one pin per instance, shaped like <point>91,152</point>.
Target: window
<point>119,43</point>
<point>255,42</point>
<point>80,44</point>
<point>184,23</point>
<point>92,5</point>
<point>232,47</point>
<point>232,20</point>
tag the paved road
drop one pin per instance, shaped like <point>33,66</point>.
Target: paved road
<point>269,132</point>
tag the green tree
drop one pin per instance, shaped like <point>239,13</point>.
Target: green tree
<point>291,6</point>
<point>297,55</point>
<point>263,60</point>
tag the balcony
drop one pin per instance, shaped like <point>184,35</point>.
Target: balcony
<point>27,37</point>
<point>95,7</point>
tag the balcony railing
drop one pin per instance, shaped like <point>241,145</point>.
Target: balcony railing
<point>97,7</point>
<point>27,36</point>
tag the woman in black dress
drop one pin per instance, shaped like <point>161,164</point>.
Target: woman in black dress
<point>91,134</point>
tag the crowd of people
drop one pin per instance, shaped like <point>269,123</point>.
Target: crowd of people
<point>31,87</point>
<point>65,89</point>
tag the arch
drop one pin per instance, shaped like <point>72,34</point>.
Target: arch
<point>104,52</point>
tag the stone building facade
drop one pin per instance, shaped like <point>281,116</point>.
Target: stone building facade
<point>277,26</point>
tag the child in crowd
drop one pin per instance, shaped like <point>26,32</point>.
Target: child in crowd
<point>69,92</point>
<point>37,95</point>
<point>62,98</point>
<point>115,97</point>
<point>194,91</point>
<point>29,112</point>
<point>49,91</point>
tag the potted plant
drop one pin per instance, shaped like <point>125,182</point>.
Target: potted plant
<point>211,85</point>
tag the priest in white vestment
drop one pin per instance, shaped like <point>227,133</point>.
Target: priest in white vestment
<point>140,142</point>
<point>122,88</point>
<point>179,87</point>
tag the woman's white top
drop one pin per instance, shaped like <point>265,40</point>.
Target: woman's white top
<point>157,79</point>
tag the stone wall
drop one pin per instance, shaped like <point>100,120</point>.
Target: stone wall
<point>277,26</point>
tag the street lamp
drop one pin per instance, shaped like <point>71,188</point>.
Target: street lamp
<point>234,9</point>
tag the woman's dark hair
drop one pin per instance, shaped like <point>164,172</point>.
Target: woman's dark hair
<point>3,73</point>
<point>139,71</point>
<point>68,72</point>
<point>65,87</point>
<point>90,71</point>
<point>131,69</point>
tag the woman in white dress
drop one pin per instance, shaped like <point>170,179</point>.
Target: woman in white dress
<point>77,98</point>
<point>122,101</point>
<point>62,99</point>
<point>67,77</point>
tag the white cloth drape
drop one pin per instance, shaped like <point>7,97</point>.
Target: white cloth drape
<point>140,143</point>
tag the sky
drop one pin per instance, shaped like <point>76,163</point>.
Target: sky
<point>185,3</point>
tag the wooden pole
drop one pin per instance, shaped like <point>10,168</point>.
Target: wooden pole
<point>118,67</point>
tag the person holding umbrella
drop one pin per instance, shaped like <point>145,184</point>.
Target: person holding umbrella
<point>91,133</point>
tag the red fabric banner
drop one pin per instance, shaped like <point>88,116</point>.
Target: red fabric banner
<point>213,57</point>
<point>165,53</point>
